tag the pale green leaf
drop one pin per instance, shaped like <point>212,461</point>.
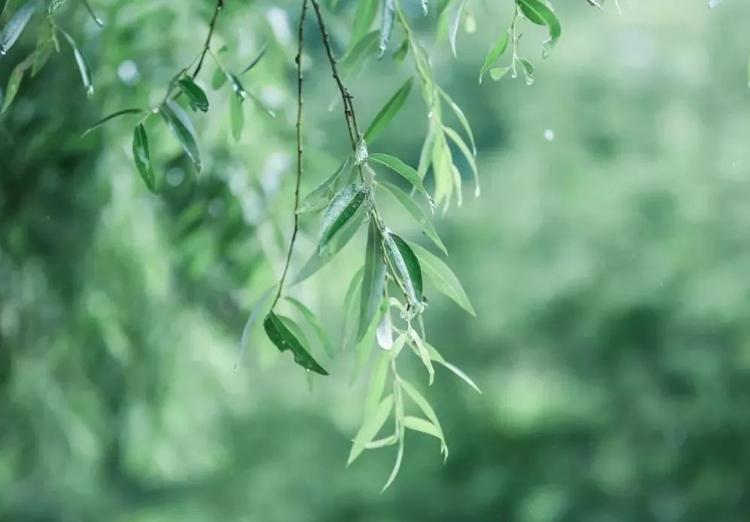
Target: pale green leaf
<point>443,278</point>
<point>370,428</point>
<point>400,168</point>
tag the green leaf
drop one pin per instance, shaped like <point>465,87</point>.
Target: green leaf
<point>386,25</point>
<point>400,168</point>
<point>370,428</point>
<point>373,279</point>
<point>83,66</point>
<point>92,13</point>
<point>416,212</point>
<point>320,196</point>
<point>236,116</point>
<point>435,356</point>
<point>262,106</point>
<point>320,258</point>
<point>196,96</point>
<point>443,278</point>
<point>218,79</point>
<point>363,19</point>
<point>314,323</point>
<point>142,157</point>
<point>341,209</point>
<point>378,379</point>
<point>111,117</point>
<point>498,73</point>
<point>541,13</point>
<point>405,267</point>
<point>422,426</point>
<point>423,405</point>
<point>388,112</point>
<point>424,354</point>
<point>495,53</point>
<point>14,82</point>
<point>470,159</point>
<point>396,465</point>
<point>351,311</point>
<point>462,119</point>
<point>16,25</point>
<point>282,337</point>
<point>179,123</point>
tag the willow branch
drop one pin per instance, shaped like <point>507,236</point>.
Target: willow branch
<point>346,97</point>
<point>300,105</point>
<point>207,44</point>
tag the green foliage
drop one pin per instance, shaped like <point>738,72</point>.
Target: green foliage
<point>163,279</point>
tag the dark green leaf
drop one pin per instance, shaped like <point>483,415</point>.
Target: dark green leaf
<point>142,157</point>
<point>282,337</point>
<point>496,52</point>
<point>111,117</point>
<point>373,280</point>
<point>236,116</point>
<point>443,278</point>
<point>196,96</point>
<point>342,207</point>
<point>401,168</point>
<point>16,25</point>
<point>539,12</point>
<point>388,112</point>
<point>405,267</point>
<point>182,128</point>
<point>419,215</point>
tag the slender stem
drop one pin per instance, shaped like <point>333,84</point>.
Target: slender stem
<point>346,97</point>
<point>300,105</point>
<point>207,44</point>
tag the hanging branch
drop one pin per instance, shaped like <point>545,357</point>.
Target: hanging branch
<point>300,105</point>
<point>207,44</point>
<point>346,97</point>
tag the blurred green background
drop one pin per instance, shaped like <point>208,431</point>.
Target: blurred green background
<point>607,257</point>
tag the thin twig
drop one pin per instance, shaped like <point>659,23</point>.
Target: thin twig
<point>346,97</point>
<point>300,105</point>
<point>207,44</point>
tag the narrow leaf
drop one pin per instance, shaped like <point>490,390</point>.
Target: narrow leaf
<point>196,96</point>
<point>443,278</point>
<point>314,323</point>
<point>422,426</point>
<point>405,265</point>
<point>320,196</point>
<point>402,169</point>
<point>16,25</point>
<point>435,356</point>
<point>541,13</point>
<point>416,212</point>
<point>396,465</point>
<point>260,309</point>
<point>340,210</point>
<point>111,117</point>
<point>370,428</point>
<point>142,157</point>
<point>92,13</point>
<point>179,123</point>
<point>284,339</point>
<point>501,44</point>
<point>363,19</point>
<point>455,24</point>
<point>388,112</point>
<point>373,279</point>
<point>386,25</point>
<point>256,60</point>
<point>83,66</point>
